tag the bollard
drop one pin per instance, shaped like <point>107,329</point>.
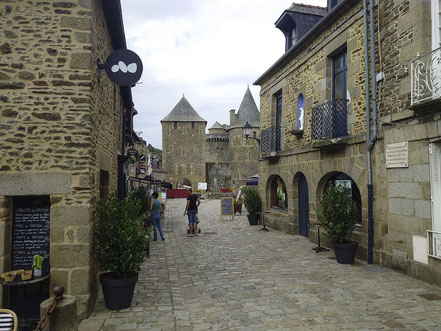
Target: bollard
<point>64,316</point>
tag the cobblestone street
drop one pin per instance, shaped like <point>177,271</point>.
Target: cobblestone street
<point>234,277</point>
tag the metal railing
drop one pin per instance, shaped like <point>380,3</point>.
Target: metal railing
<point>426,77</point>
<point>329,120</point>
<point>270,139</point>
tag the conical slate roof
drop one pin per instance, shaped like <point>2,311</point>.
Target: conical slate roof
<point>217,125</point>
<point>247,112</point>
<point>183,112</point>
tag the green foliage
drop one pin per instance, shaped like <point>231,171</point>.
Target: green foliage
<point>154,150</point>
<point>121,235</point>
<point>38,262</point>
<point>337,213</point>
<point>252,200</point>
<point>143,197</point>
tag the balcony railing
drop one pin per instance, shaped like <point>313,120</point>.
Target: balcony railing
<point>426,77</point>
<point>270,139</point>
<point>329,120</point>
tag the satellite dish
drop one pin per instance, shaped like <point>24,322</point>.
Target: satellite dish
<point>123,67</point>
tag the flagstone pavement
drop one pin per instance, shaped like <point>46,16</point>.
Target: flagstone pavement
<point>235,277</point>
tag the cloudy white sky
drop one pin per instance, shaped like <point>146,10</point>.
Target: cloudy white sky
<point>209,50</point>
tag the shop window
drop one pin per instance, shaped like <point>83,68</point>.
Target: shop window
<point>343,179</point>
<point>279,198</point>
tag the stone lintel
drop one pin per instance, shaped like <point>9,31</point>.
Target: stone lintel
<point>34,183</point>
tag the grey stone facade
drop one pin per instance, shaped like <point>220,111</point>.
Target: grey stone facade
<point>60,131</point>
<point>402,212</point>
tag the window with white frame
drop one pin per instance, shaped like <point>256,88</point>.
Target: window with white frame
<point>436,14</point>
<point>435,184</point>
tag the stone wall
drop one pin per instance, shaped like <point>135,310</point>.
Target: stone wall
<point>183,151</point>
<point>60,129</point>
<point>244,157</point>
<point>217,157</point>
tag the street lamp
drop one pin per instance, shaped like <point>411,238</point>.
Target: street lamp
<point>247,131</point>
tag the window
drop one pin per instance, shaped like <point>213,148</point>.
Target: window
<point>278,132</point>
<point>333,3</point>
<point>435,10</point>
<point>192,125</point>
<point>175,125</point>
<point>435,184</point>
<point>339,69</point>
<point>291,38</point>
<point>279,198</point>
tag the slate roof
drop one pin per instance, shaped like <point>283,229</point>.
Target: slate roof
<point>217,125</point>
<point>183,112</point>
<point>247,112</point>
<point>308,9</point>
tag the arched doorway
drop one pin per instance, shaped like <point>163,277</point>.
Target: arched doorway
<point>183,183</point>
<point>303,198</point>
<point>340,178</point>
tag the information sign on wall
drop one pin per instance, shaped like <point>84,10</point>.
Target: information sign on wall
<point>202,186</point>
<point>397,155</point>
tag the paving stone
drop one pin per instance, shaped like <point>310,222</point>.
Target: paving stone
<point>244,279</point>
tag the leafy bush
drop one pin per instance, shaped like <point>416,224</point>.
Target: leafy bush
<point>143,197</point>
<point>252,200</point>
<point>337,213</point>
<point>121,235</point>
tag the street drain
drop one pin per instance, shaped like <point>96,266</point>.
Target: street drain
<point>430,296</point>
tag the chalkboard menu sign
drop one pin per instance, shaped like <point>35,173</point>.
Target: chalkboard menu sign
<point>227,208</point>
<point>30,236</point>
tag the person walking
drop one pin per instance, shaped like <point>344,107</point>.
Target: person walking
<point>191,209</point>
<point>155,208</point>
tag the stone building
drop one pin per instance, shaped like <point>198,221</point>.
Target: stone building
<point>63,127</point>
<point>339,106</point>
<point>222,157</point>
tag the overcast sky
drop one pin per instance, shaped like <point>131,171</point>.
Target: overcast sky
<point>209,50</point>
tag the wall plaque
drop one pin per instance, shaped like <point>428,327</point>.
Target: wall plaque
<point>397,155</point>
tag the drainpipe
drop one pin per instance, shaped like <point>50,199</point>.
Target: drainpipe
<point>370,142</point>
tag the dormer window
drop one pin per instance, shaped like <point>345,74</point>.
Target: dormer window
<point>297,21</point>
<point>293,36</point>
<point>333,3</point>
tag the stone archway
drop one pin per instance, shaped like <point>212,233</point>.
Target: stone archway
<point>342,179</point>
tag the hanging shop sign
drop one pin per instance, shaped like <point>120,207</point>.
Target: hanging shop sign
<point>124,67</point>
<point>133,153</point>
<point>142,170</point>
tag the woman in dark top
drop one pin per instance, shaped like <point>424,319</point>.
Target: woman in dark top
<point>191,209</point>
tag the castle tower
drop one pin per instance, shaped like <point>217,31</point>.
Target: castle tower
<point>183,145</point>
<point>244,154</point>
<point>217,157</point>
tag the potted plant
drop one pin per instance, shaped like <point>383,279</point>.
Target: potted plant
<point>122,239</point>
<point>338,214</point>
<point>38,264</point>
<point>252,203</point>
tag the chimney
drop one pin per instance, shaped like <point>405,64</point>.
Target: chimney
<point>233,117</point>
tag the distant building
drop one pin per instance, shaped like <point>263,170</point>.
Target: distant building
<point>223,157</point>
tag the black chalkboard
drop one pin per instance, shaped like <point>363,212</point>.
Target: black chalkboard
<point>30,236</point>
<point>227,207</point>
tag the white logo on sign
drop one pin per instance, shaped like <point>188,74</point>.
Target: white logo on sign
<point>132,67</point>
